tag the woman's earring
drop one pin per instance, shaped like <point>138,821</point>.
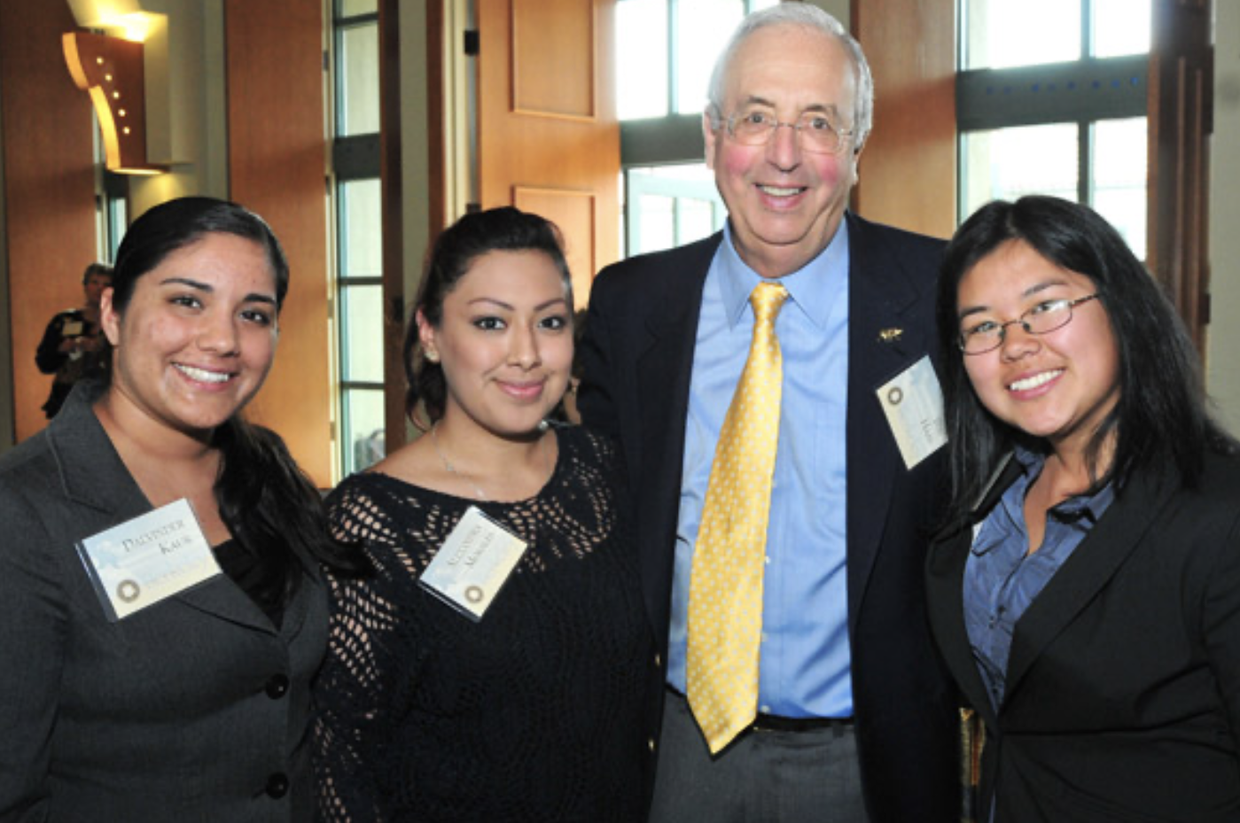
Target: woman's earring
<point>432,356</point>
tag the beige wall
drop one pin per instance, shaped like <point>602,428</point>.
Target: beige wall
<point>1223,347</point>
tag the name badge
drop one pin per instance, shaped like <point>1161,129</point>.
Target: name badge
<point>72,328</point>
<point>147,559</point>
<point>473,564</point>
<point>913,403</point>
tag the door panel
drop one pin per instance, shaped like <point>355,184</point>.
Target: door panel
<point>548,138</point>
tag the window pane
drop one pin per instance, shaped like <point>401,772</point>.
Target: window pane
<point>695,219</point>
<point>363,428</point>
<point>657,223</point>
<point>641,48</point>
<point>702,29</point>
<point>348,8</point>
<point>1121,27</point>
<point>672,205</point>
<point>358,107</point>
<point>361,237</point>
<point>1119,171</point>
<point>1007,163</point>
<point>361,333</point>
<point>1007,33</point>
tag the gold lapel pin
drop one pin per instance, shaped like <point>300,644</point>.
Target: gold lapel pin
<point>890,335</point>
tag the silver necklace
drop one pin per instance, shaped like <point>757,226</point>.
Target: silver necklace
<point>447,464</point>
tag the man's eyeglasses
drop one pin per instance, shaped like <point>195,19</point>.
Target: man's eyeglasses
<point>817,133</point>
<point>1045,317</point>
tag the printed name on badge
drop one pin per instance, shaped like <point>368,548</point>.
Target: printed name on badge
<point>147,559</point>
<point>913,403</point>
<point>473,564</point>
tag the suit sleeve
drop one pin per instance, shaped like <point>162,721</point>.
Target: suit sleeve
<point>33,636</point>
<point>596,398</point>
<point>49,357</point>
<point>1221,625</point>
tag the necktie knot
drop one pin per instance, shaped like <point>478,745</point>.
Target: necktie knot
<point>767,299</point>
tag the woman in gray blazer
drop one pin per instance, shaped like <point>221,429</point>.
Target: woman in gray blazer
<point>155,663</point>
<point>1086,595</point>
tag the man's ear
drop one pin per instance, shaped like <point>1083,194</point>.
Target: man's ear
<point>709,135</point>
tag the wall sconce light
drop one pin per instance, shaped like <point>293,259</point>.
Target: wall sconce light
<point>111,71</point>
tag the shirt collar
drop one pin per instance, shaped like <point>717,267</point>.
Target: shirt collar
<point>813,288</point>
<point>1090,506</point>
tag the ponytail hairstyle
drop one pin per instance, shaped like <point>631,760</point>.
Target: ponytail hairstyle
<point>454,253</point>
<point>271,508</point>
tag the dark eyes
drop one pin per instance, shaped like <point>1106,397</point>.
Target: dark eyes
<point>260,317</point>
<point>554,322</point>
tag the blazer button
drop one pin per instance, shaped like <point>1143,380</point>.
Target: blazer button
<point>277,785</point>
<point>650,743</point>
<point>658,660</point>
<point>277,686</point>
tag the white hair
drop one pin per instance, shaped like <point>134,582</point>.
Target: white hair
<point>809,16</point>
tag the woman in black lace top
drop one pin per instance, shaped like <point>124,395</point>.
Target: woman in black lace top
<point>481,702</point>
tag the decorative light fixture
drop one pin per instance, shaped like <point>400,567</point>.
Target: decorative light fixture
<point>111,71</point>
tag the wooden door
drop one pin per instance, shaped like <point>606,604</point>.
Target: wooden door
<point>547,134</point>
<point>1181,95</point>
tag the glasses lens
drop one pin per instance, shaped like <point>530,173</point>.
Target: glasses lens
<point>978,342</point>
<point>751,128</point>
<point>818,135</point>
<point>1049,317</point>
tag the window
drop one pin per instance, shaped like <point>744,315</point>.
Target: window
<point>1051,98</point>
<point>668,48</point>
<point>358,266</point>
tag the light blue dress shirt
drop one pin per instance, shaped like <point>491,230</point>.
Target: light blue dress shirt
<point>805,657</point>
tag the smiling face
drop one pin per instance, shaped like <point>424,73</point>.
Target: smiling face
<point>784,203</point>
<point>505,343</point>
<point>198,336</point>
<point>1060,385</point>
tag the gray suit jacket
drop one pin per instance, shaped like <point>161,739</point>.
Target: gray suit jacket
<point>194,709</point>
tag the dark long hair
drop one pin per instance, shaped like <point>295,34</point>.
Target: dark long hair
<point>454,252</point>
<point>271,508</point>
<point>1160,418</point>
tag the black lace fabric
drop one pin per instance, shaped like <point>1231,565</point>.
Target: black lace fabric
<point>532,713</point>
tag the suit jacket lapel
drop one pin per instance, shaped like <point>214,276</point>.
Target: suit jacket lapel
<point>1093,563</point>
<point>93,474</point>
<point>945,600</point>
<point>881,344</point>
<point>664,365</point>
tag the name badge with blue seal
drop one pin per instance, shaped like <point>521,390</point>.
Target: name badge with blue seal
<point>473,564</point>
<point>147,559</point>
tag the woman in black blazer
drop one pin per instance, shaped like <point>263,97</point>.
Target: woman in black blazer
<point>1086,589</point>
<point>138,682</point>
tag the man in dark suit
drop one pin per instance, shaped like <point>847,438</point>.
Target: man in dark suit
<point>852,719</point>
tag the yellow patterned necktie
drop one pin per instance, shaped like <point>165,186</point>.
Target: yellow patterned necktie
<point>725,589</point>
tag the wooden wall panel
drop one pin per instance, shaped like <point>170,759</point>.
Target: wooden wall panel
<point>276,154</point>
<point>908,168</point>
<point>49,188</point>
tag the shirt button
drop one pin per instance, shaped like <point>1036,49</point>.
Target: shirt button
<point>764,709</point>
<point>277,687</point>
<point>277,785</point>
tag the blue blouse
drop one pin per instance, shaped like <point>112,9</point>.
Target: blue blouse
<point>1001,578</point>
